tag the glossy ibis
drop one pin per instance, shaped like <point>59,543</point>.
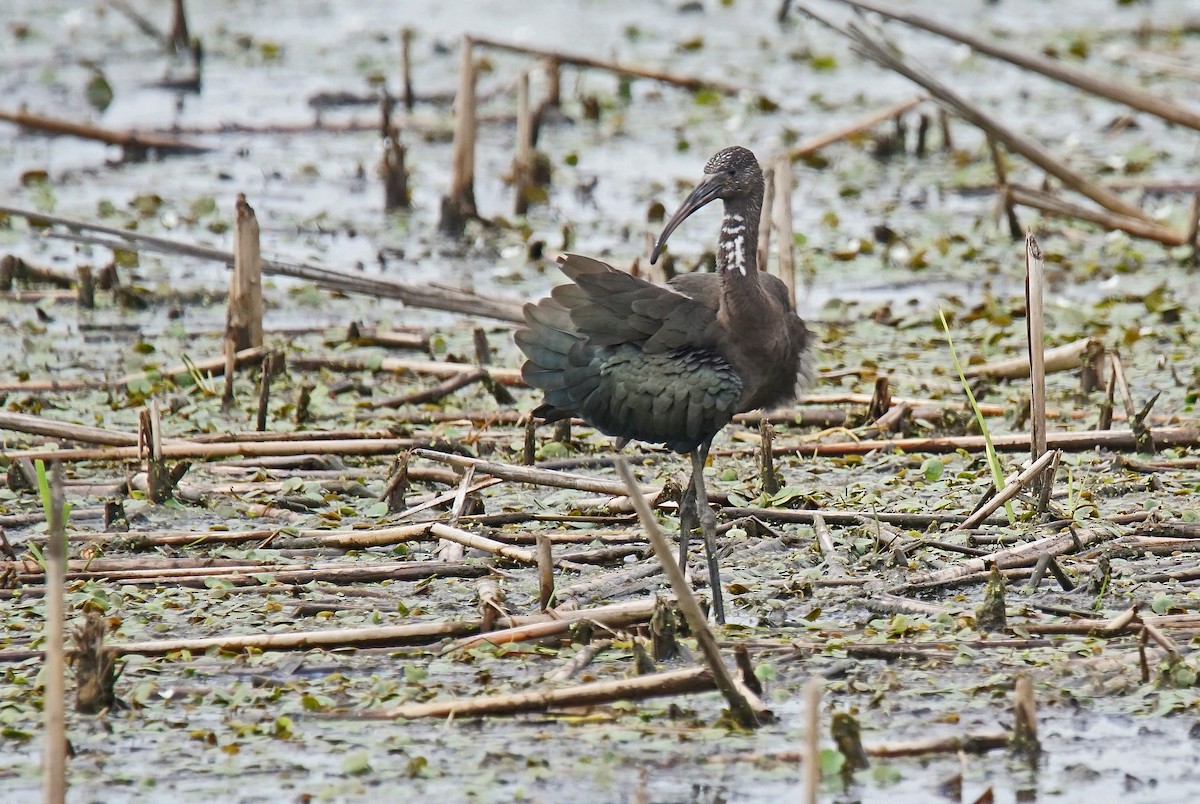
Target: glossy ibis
<point>672,364</point>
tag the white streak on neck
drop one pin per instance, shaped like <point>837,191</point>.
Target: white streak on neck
<point>734,228</point>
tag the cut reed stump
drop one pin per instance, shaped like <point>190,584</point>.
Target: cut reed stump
<point>245,313</point>
<point>458,205</point>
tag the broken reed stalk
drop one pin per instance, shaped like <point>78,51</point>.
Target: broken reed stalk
<point>1035,328</point>
<point>243,323</point>
<point>54,762</point>
<point>458,205</point>
<point>545,561</point>
<point>1025,738</point>
<point>890,56</point>
<point>158,476</point>
<point>833,560</point>
<point>784,182</point>
<point>1057,69</point>
<point>490,598</point>
<point>1010,212</point>
<point>229,357</point>
<point>178,39</point>
<point>264,392</point>
<point>770,480</point>
<point>212,366</point>
<point>811,763</point>
<point>1029,478</point>
<point>766,218</point>
<point>523,161</point>
<point>406,37</point>
<point>87,287</point>
<point>744,706</point>
<point>392,167</point>
<point>450,550</point>
<point>858,126</point>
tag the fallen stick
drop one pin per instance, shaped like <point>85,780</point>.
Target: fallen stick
<point>1012,442</point>
<point>575,60</point>
<point>130,140</point>
<point>256,574</point>
<point>1012,487</point>
<point>51,428</point>
<point>432,368</point>
<point>385,636</point>
<point>348,539</point>
<point>432,297</point>
<point>183,449</point>
<point>1059,70</point>
<point>437,392</point>
<point>1011,558</point>
<point>676,682</point>
<point>1061,358</point>
<point>865,123</point>
<point>529,474</point>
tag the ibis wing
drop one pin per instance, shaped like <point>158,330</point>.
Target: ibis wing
<point>634,360</point>
<point>610,307</point>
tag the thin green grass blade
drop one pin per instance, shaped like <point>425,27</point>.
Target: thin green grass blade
<point>990,449</point>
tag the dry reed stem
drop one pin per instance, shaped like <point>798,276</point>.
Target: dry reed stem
<point>854,127</point>
<point>529,474</point>
<point>1014,225</point>
<point>811,762</point>
<point>394,365</point>
<point>433,298</point>
<point>245,312</point>
<point>1010,558</point>
<point>1024,738</point>
<point>765,220</point>
<point>131,140</point>
<point>545,562</point>
<point>557,57</point>
<point>54,761</point>
<point>888,55</point>
<point>1035,329</point>
<point>1135,225</point>
<point>1061,358</point>
<point>676,682</point>
<point>1057,69</point>
<point>744,706</point>
<point>458,205</point>
<point>523,161</point>
<point>582,658</point>
<point>786,255</point>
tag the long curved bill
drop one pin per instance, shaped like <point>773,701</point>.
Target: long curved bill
<point>705,192</point>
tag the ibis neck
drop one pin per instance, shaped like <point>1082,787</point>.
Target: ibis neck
<point>737,246</point>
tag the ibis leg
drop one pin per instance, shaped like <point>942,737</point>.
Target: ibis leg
<point>708,526</point>
<point>688,520</point>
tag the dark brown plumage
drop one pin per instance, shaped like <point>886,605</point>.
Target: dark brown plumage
<point>672,364</point>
